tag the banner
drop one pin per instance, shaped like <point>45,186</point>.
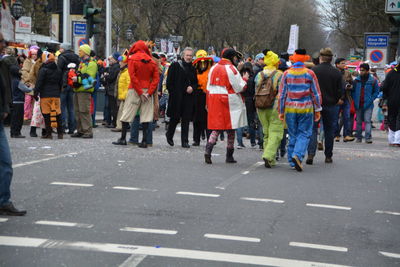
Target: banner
<point>7,24</point>
<point>23,25</point>
<point>293,39</point>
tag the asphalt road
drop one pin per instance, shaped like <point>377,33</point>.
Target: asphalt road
<point>91,203</point>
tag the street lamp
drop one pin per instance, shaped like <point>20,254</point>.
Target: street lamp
<point>17,10</point>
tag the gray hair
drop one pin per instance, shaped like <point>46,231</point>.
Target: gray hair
<point>186,49</point>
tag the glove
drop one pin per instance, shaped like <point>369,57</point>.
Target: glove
<point>317,116</point>
<point>281,117</point>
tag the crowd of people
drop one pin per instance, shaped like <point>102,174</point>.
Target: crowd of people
<point>285,104</point>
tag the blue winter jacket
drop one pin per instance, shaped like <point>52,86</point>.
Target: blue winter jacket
<point>371,91</point>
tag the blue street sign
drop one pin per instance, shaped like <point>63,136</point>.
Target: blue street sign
<point>376,41</point>
<point>79,28</point>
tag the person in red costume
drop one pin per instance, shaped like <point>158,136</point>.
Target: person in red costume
<point>144,75</point>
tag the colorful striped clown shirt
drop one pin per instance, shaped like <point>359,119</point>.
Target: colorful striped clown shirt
<point>299,91</point>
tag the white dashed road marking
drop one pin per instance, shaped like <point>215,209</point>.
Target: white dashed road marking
<point>133,260</point>
<point>134,188</point>
<point>197,194</point>
<point>232,237</point>
<point>387,212</point>
<point>318,246</point>
<point>3,219</point>
<point>328,206</point>
<point>42,160</point>
<point>66,224</point>
<point>237,176</point>
<point>71,184</point>
<point>277,201</point>
<point>159,251</point>
<point>391,255</point>
<point>151,231</point>
<point>245,172</point>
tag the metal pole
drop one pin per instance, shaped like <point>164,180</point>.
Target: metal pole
<point>108,27</point>
<point>398,46</point>
<point>66,23</point>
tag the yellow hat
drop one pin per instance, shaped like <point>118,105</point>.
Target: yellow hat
<point>201,53</point>
<point>271,59</point>
<point>86,49</point>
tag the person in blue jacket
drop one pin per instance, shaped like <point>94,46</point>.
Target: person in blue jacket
<point>365,91</point>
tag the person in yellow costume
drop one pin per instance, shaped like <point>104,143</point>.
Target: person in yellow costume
<point>202,64</point>
<point>269,117</point>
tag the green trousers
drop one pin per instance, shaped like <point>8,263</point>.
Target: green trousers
<point>273,132</point>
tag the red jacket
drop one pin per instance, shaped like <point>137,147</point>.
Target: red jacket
<point>71,74</point>
<point>143,71</point>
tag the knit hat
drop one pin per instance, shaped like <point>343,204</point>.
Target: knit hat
<point>48,57</point>
<point>326,52</point>
<point>116,55</point>
<point>300,55</point>
<point>229,53</point>
<point>271,59</point>
<point>259,56</point>
<point>65,46</point>
<point>85,49</point>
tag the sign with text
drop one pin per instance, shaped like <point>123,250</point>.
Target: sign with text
<point>79,28</point>
<point>376,41</point>
<point>293,39</point>
<point>23,25</point>
<point>376,48</point>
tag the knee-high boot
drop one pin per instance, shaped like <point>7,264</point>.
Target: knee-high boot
<point>145,127</point>
<point>207,154</point>
<point>60,129</point>
<point>47,122</point>
<point>229,155</point>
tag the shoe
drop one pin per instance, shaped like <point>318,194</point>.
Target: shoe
<point>70,132</point>
<point>328,160</point>
<point>310,160</point>
<point>47,136</point>
<point>320,146</point>
<point>358,140</point>
<point>17,136</point>
<point>196,144</point>
<point>133,143</point>
<point>240,146</point>
<point>110,126</point>
<point>33,135</point>
<point>142,145</point>
<point>149,145</point>
<point>267,163</point>
<point>229,156</point>
<point>369,141</point>
<point>116,130</point>
<point>77,135</point>
<point>9,209</point>
<point>348,139</point>
<point>337,139</point>
<point>60,136</point>
<point>120,142</point>
<point>297,164</point>
<point>185,145</point>
<point>87,136</point>
<point>207,159</point>
<point>253,146</point>
<point>170,141</point>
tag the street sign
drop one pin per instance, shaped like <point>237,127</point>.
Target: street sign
<point>376,41</point>
<point>80,29</point>
<point>376,56</point>
<point>82,41</point>
<point>392,7</point>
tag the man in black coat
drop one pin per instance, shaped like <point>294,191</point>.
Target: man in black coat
<point>181,82</point>
<point>331,83</point>
<point>6,171</point>
<point>110,79</point>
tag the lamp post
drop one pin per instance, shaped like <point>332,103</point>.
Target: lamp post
<point>17,10</point>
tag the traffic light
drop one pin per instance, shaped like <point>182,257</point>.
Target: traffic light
<point>90,14</point>
<point>394,39</point>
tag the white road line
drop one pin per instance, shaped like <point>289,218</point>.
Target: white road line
<point>42,160</point>
<point>318,246</point>
<point>237,176</point>
<point>245,172</point>
<point>152,231</point>
<point>391,255</point>
<point>3,219</point>
<point>66,224</point>
<point>387,212</point>
<point>197,194</point>
<point>133,260</point>
<point>159,251</point>
<point>328,206</point>
<point>134,188</point>
<point>71,184</point>
<point>232,237</point>
<point>277,201</point>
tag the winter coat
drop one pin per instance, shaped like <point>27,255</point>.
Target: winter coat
<point>330,82</point>
<point>63,60</point>
<point>26,68</point>
<point>123,83</point>
<point>143,71</point>
<point>18,87</point>
<point>5,96</point>
<point>110,80</point>
<point>200,112</point>
<point>371,91</point>
<point>88,67</point>
<point>226,109</point>
<point>7,61</point>
<point>49,81</point>
<point>33,74</point>
<point>180,103</point>
<point>391,89</point>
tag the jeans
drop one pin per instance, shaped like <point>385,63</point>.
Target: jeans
<point>239,136</point>
<point>6,171</point>
<point>366,116</point>
<point>106,111</point>
<point>329,115</point>
<point>345,109</point>
<point>67,109</point>
<point>135,131</point>
<point>94,97</point>
<point>300,127</point>
<point>312,146</point>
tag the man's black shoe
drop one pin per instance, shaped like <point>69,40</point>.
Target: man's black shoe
<point>310,160</point>
<point>120,142</point>
<point>196,144</point>
<point>169,140</point>
<point>17,136</point>
<point>267,163</point>
<point>33,135</point>
<point>9,209</point>
<point>70,132</point>
<point>328,160</point>
<point>142,145</point>
<point>185,145</point>
<point>77,135</point>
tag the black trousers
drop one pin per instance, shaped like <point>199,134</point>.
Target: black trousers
<point>112,102</point>
<point>394,118</point>
<point>184,129</point>
<point>198,128</point>
<point>17,118</point>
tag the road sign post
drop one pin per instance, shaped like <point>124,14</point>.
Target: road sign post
<point>376,49</point>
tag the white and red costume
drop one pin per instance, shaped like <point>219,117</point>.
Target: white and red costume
<point>226,109</point>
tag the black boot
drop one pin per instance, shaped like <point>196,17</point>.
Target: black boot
<point>47,134</point>
<point>145,127</point>
<point>122,141</point>
<point>60,129</point>
<point>229,155</point>
<point>207,155</point>
<point>33,132</point>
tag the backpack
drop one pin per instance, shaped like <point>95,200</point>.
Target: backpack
<point>265,92</point>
